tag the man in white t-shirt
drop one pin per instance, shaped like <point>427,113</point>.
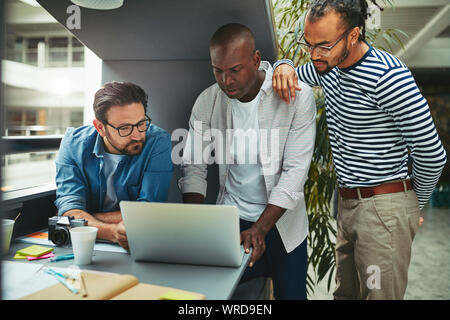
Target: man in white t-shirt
<point>263,147</point>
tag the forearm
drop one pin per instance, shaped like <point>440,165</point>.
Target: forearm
<point>105,230</point>
<point>426,176</point>
<point>269,217</point>
<point>254,237</point>
<point>192,197</point>
<point>109,217</point>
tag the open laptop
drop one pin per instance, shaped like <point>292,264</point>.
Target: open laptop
<point>183,233</point>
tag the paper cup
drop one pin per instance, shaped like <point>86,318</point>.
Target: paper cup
<point>7,230</point>
<point>83,240</point>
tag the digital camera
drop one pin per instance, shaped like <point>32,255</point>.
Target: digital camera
<point>58,229</point>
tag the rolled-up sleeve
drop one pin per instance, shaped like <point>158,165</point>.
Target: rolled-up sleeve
<point>193,166</point>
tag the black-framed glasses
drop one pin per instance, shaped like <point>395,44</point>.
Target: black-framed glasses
<point>323,51</point>
<point>127,129</point>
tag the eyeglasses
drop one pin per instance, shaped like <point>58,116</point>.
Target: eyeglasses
<point>127,129</point>
<point>323,51</point>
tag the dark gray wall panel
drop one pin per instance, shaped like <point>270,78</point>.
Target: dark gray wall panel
<point>172,87</point>
<point>166,29</point>
<point>162,45</point>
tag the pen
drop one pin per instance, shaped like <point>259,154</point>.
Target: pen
<point>83,286</point>
<point>62,280</point>
<point>60,258</point>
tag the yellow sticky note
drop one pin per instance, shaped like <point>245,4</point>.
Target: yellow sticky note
<point>19,256</point>
<point>172,295</point>
<point>34,251</point>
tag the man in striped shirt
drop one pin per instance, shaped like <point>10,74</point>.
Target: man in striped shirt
<point>377,119</point>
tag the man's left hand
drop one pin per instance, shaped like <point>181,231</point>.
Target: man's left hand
<point>254,238</point>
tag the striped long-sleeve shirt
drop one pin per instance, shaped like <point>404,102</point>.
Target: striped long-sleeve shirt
<point>376,115</point>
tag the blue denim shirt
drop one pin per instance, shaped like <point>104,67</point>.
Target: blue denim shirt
<point>81,184</point>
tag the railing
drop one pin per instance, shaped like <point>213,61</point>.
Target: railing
<point>22,144</point>
<point>32,130</point>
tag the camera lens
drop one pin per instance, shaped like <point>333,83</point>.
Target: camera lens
<point>60,236</point>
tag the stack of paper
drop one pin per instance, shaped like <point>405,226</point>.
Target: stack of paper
<point>34,252</point>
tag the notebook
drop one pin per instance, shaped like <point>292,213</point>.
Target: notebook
<point>197,234</point>
<point>111,286</point>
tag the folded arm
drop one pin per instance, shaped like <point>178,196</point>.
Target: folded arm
<point>110,225</point>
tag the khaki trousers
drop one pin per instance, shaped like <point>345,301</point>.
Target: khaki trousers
<point>373,245</point>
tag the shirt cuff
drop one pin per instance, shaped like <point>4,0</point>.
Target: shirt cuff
<point>69,203</point>
<point>189,186</point>
<point>287,61</point>
<point>284,198</point>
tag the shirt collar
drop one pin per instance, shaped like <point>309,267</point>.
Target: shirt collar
<point>267,84</point>
<point>98,147</point>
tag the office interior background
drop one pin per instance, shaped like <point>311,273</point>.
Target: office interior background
<point>49,78</point>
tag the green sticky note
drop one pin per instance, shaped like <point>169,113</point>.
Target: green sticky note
<point>34,251</point>
<point>19,256</point>
<point>172,295</point>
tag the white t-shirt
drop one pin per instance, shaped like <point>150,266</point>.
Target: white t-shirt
<point>111,161</point>
<point>244,186</point>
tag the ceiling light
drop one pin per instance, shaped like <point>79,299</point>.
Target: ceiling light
<point>31,3</point>
<point>99,4</point>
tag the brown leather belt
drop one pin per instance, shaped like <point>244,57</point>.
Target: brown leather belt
<point>367,192</point>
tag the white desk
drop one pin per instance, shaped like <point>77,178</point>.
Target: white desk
<point>216,283</point>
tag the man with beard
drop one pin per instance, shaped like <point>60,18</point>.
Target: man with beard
<point>121,157</point>
<point>377,119</point>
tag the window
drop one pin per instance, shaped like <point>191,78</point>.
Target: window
<point>40,102</point>
<point>58,51</point>
<point>14,48</point>
<point>20,170</point>
<point>32,48</point>
<point>77,53</point>
<point>46,51</point>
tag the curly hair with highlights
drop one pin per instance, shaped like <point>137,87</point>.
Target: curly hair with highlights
<point>354,13</point>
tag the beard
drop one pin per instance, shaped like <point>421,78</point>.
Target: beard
<point>132,148</point>
<point>335,62</point>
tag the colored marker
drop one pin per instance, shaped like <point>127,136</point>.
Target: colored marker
<point>61,258</point>
<point>62,280</point>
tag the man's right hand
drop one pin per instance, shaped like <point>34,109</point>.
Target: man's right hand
<point>285,82</point>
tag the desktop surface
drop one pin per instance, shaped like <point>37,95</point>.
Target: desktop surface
<point>216,283</point>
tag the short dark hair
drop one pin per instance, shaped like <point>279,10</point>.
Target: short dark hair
<point>230,32</point>
<point>353,12</point>
<point>117,94</point>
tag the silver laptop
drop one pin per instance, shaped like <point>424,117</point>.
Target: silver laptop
<point>183,233</point>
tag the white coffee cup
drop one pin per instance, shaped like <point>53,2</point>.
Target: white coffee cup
<point>7,230</point>
<point>83,240</point>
